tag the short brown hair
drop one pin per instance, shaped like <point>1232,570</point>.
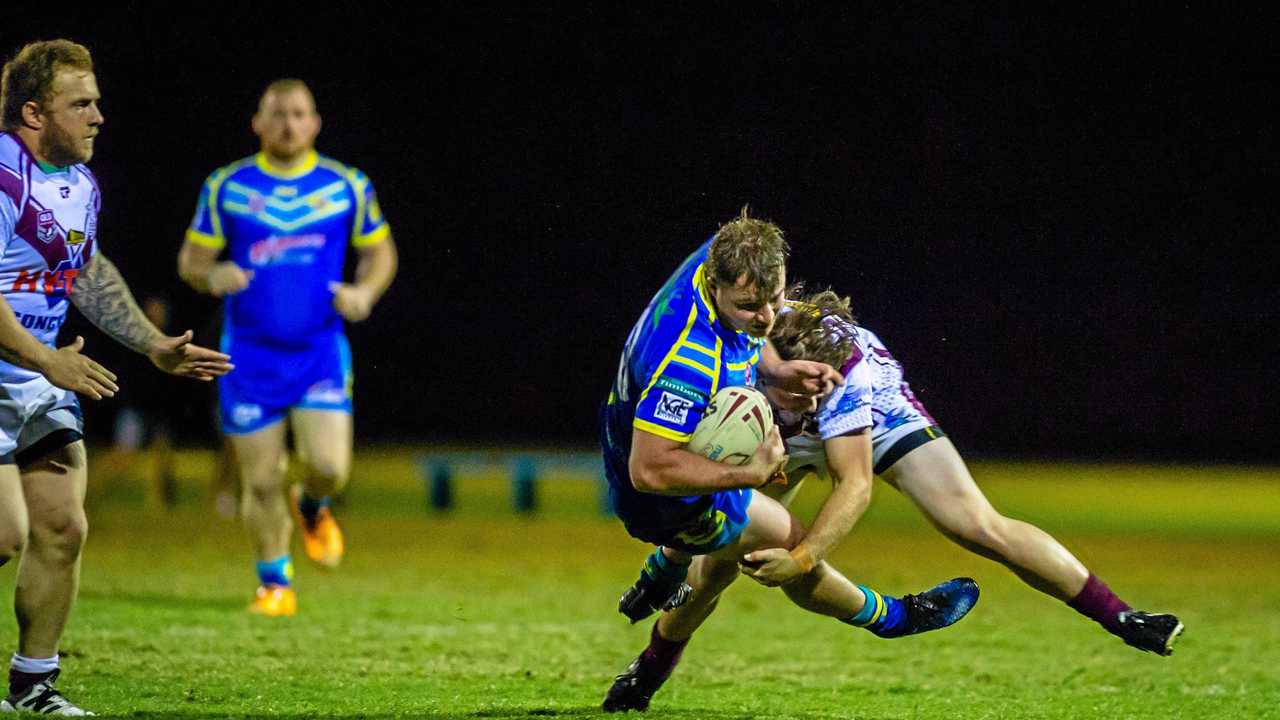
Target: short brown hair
<point>285,85</point>
<point>746,246</point>
<point>814,327</point>
<point>29,75</point>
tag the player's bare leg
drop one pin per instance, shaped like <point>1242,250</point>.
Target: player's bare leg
<point>936,479</point>
<point>52,493</point>
<point>262,462</point>
<point>324,441</point>
<point>49,570</point>
<point>13,514</point>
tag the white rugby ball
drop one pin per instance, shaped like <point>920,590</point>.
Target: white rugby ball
<point>737,421</point>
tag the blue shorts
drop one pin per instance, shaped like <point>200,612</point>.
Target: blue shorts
<point>698,525</point>
<point>270,380</point>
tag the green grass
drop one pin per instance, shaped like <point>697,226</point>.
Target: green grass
<point>480,613</point>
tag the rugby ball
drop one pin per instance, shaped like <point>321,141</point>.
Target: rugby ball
<point>737,421</point>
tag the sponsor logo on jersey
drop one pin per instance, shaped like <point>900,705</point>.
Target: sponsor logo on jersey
<point>64,192</point>
<point>48,282</point>
<point>274,248</point>
<point>40,322</point>
<point>673,408</point>
<point>681,388</point>
<point>46,226</point>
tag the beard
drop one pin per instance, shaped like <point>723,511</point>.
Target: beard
<point>61,148</point>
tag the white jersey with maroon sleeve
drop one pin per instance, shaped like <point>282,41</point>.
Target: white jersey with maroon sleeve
<point>48,232</point>
<point>874,395</point>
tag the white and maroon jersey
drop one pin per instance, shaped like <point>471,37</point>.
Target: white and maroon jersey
<point>48,232</point>
<point>874,394</point>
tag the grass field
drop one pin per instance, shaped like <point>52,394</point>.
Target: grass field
<point>480,613</point>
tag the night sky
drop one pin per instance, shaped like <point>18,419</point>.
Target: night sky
<point>1063,224</point>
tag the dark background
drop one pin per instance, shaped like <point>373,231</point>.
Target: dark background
<point>1063,223</point>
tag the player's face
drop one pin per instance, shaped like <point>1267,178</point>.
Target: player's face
<point>287,124</point>
<point>745,308</point>
<point>71,118</point>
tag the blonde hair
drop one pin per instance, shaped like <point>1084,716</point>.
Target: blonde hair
<point>29,75</point>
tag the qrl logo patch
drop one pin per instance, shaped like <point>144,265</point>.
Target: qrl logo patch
<point>46,227</point>
<point>673,408</point>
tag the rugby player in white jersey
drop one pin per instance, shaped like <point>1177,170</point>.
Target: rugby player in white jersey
<point>49,203</point>
<point>912,454</point>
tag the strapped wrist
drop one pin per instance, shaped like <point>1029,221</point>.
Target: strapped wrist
<point>803,558</point>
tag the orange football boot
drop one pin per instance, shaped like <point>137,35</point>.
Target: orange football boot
<point>274,601</point>
<point>321,539</point>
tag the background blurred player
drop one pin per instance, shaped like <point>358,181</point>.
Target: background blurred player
<point>49,203</point>
<point>706,329</point>
<point>913,454</point>
<point>285,217</point>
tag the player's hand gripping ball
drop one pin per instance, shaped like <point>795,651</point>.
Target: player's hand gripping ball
<point>737,421</point>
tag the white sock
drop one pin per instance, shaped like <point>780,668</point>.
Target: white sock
<point>34,666</point>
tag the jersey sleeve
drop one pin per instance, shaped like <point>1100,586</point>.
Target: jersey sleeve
<point>675,399</point>
<point>849,407</point>
<point>371,227</point>
<point>8,221</point>
<point>206,226</point>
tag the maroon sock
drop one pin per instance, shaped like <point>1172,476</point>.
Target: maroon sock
<point>1098,603</point>
<point>663,652</point>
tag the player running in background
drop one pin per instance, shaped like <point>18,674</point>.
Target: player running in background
<point>285,217</point>
<point>704,330</point>
<point>912,453</point>
<point>49,255</point>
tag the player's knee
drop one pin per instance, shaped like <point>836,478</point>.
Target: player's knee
<point>982,529</point>
<point>61,534</point>
<point>328,473</point>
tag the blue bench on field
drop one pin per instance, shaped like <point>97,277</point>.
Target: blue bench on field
<point>525,469</point>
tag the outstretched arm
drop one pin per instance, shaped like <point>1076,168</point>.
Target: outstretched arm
<point>64,367</point>
<point>101,293</point>
<point>103,296</point>
<point>849,460</point>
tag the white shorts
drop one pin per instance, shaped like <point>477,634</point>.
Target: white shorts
<point>807,451</point>
<point>31,411</point>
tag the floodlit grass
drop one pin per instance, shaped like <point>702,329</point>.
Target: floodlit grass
<point>480,613</point>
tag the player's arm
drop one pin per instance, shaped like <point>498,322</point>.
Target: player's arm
<point>375,270</point>
<point>102,295</point>
<point>849,462</point>
<point>198,267</point>
<point>64,367</point>
<point>664,467</point>
<point>804,379</point>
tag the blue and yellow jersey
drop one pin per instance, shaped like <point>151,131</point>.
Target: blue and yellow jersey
<point>292,230</point>
<point>676,357</point>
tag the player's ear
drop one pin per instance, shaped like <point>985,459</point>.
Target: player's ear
<point>32,116</point>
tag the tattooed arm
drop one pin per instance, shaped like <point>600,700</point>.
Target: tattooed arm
<point>101,293</point>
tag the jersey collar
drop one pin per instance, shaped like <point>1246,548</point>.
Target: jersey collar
<point>307,165</point>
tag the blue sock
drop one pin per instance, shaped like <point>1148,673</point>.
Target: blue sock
<point>880,613</point>
<point>663,570</point>
<point>276,572</point>
<point>309,507</point>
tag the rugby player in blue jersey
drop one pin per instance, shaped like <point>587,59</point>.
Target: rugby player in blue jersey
<point>284,218</point>
<point>50,258</point>
<point>704,330</point>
